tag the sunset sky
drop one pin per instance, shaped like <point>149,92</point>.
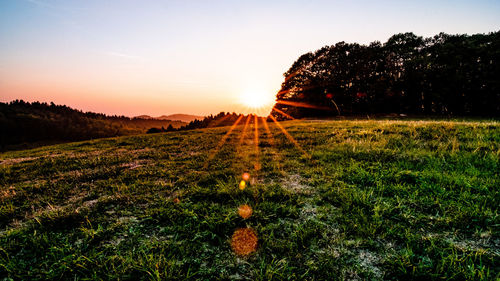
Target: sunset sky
<point>198,57</point>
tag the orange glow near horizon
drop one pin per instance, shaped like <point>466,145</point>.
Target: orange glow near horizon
<point>257,101</point>
<point>113,97</point>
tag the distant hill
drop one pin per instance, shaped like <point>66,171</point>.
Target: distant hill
<point>174,117</point>
<point>180,117</point>
<point>25,124</point>
<point>144,117</point>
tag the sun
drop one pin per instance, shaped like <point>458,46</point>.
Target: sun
<point>256,99</point>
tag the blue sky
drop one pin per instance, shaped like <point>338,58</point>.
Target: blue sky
<point>160,57</point>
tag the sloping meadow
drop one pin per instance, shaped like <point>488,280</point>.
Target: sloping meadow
<point>331,200</point>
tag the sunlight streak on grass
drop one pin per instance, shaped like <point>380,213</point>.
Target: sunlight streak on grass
<point>221,142</point>
<point>243,132</point>
<point>270,135</point>
<point>257,164</point>
<point>290,138</point>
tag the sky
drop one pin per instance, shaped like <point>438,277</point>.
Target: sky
<point>158,57</point>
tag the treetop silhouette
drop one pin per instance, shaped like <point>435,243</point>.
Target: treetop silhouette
<point>443,75</point>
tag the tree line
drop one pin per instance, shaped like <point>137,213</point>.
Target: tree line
<point>25,124</point>
<point>450,75</point>
<point>218,120</point>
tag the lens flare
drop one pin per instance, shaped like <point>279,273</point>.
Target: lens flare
<point>257,166</point>
<point>244,241</point>
<point>242,185</point>
<point>245,211</point>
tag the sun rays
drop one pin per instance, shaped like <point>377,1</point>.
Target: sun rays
<point>289,137</point>
<point>255,138</point>
<point>302,104</point>
<point>257,166</point>
<point>268,132</point>
<point>222,142</point>
<point>244,240</point>
<point>242,136</point>
<point>283,113</point>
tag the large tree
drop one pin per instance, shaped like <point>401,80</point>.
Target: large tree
<point>442,75</point>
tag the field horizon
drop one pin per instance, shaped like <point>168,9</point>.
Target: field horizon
<point>328,199</point>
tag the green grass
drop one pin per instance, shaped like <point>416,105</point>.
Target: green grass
<point>400,200</point>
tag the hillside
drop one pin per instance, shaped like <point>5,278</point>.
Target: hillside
<point>329,200</point>
<point>26,124</point>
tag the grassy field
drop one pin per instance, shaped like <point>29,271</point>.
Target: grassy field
<point>336,200</point>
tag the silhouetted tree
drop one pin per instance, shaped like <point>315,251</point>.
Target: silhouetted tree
<point>442,75</point>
